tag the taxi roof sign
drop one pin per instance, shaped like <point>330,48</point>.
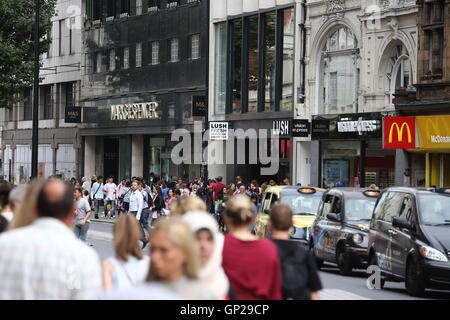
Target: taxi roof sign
<point>372,193</point>
<point>306,190</point>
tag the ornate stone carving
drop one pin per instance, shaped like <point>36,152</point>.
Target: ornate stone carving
<point>385,3</point>
<point>393,24</point>
<point>335,6</point>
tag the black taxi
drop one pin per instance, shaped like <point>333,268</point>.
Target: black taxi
<point>410,238</point>
<point>341,229</point>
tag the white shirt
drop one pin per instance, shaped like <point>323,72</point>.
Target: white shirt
<point>136,203</point>
<point>86,186</point>
<point>9,215</point>
<point>110,189</point>
<point>46,261</point>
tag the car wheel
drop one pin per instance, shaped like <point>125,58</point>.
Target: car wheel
<point>373,261</point>
<point>414,280</point>
<point>344,266</point>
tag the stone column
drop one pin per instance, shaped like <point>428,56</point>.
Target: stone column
<point>89,156</point>
<point>137,156</point>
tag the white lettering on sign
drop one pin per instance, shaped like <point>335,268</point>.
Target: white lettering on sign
<point>359,126</point>
<point>218,131</point>
<point>281,127</point>
<point>146,110</point>
<point>440,139</point>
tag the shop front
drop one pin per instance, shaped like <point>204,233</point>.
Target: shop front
<point>434,148</point>
<point>132,137</point>
<point>347,151</point>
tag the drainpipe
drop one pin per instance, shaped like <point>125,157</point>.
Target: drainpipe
<point>303,54</point>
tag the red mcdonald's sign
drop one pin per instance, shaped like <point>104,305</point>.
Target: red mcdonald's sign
<point>399,133</point>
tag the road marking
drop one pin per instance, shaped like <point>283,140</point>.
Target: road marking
<point>100,235</point>
<point>337,294</point>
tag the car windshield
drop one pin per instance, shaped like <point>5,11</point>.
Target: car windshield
<point>302,204</point>
<point>359,209</point>
<point>434,208</point>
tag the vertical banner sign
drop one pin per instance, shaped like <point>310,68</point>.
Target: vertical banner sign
<point>218,131</point>
<point>399,133</point>
<point>199,106</point>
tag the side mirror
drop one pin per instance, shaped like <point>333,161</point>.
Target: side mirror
<point>402,223</point>
<point>333,217</point>
<point>266,211</point>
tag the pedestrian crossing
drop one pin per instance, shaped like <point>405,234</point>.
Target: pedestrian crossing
<point>100,235</point>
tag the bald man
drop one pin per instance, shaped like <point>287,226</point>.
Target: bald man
<point>52,263</point>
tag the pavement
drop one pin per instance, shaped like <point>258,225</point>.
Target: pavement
<point>102,218</point>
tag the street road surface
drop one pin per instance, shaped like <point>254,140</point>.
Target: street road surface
<point>336,286</point>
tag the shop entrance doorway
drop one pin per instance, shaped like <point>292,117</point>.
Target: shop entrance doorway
<point>111,159</point>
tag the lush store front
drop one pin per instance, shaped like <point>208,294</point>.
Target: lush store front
<point>348,151</point>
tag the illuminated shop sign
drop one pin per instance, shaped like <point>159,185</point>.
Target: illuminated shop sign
<point>135,111</point>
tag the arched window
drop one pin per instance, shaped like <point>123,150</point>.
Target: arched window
<point>338,73</point>
<point>398,72</point>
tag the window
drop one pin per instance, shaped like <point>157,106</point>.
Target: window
<point>70,94</point>
<point>326,207</point>
<point>398,72</point>
<point>155,52</point>
<point>48,103</point>
<point>287,87</point>
<point>138,55</point>
<point>126,58</point>
<point>195,46</point>
<point>111,8</point>
<point>71,37</point>
<point>112,60</point>
<point>124,7</point>
<point>435,12</point>
<point>407,209</point>
<point>174,50</point>
<point>236,66</point>
<point>61,38</point>
<point>171,111</point>
<point>27,109</point>
<point>434,46</point>
<point>252,64</point>
<point>270,21</point>
<point>392,206</point>
<point>337,205</point>
<point>138,7</point>
<point>155,4</point>
<point>220,66</point>
<point>50,46</point>
<point>97,9</point>
<point>338,74</point>
<point>98,63</point>
<point>379,208</point>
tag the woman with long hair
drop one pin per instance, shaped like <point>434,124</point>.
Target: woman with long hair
<point>129,266</point>
<point>174,261</point>
<point>158,204</point>
<point>251,264</point>
<point>26,214</point>
<point>170,199</point>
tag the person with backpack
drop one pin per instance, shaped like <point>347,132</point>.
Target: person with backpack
<point>97,195</point>
<point>300,279</point>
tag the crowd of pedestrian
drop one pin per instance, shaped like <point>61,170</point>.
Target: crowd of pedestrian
<point>44,252</point>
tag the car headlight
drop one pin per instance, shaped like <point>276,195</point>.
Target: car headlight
<point>432,254</point>
<point>357,238</point>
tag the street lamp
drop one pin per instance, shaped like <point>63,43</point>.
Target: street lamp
<point>34,141</point>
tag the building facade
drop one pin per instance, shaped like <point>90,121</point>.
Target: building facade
<point>59,143</point>
<point>145,61</point>
<point>253,63</point>
<point>428,101</point>
<point>358,54</point>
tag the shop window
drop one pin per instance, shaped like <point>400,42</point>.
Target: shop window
<point>270,20</point>
<point>398,73</point>
<point>252,64</point>
<point>338,73</point>
<point>236,66</point>
<point>220,66</point>
<point>287,87</point>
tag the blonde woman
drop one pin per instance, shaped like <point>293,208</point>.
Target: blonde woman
<point>25,214</point>
<point>129,266</point>
<point>174,261</point>
<point>187,204</point>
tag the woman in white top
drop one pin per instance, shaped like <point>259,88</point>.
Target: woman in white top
<point>129,267</point>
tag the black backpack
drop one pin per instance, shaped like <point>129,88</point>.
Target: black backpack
<point>294,272</point>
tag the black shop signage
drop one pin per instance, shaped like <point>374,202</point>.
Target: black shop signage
<point>72,115</point>
<point>199,106</point>
<point>300,128</point>
<point>348,126</point>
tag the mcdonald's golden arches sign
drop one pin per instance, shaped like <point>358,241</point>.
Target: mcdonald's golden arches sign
<point>434,131</point>
<point>399,133</point>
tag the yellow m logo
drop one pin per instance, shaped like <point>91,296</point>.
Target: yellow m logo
<point>400,132</point>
